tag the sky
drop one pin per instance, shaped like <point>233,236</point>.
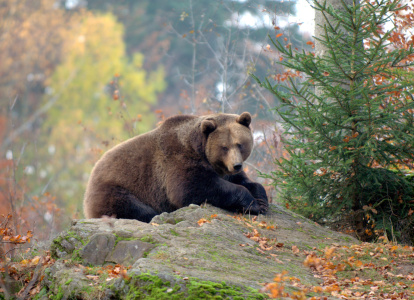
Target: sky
<point>304,14</point>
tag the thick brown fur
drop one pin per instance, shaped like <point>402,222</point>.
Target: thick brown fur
<point>187,159</point>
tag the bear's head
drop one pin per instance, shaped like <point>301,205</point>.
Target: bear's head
<point>229,141</point>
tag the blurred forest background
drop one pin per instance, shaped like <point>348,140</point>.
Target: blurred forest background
<point>78,77</point>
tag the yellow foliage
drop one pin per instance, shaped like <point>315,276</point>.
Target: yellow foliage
<point>95,96</point>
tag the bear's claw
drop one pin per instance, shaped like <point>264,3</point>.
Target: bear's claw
<point>263,205</point>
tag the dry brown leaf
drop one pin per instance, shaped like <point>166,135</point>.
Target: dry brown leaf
<point>92,277</point>
<point>295,249</point>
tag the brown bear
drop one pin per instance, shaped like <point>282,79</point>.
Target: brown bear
<point>187,159</point>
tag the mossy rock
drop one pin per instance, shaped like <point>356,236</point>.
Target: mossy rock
<point>185,259</point>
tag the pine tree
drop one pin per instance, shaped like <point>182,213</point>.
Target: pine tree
<point>349,126</point>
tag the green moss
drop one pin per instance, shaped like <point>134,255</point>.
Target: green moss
<point>347,239</point>
<point>178,220</point>
<point>41,294</point>
<point>147,239</point>
<point>76,256</point>
<point>146,286</point>
<point>57,242</point>
<point>120,238</point>
<point>88,290</point>
<point>59,295</point>
<point>322,246</point>
<point>72,234</point>
<point>173,232</point>
<point>69,281</point>
<point>197,289</point>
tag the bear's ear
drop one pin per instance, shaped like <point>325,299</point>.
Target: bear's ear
<point>208,126</point>
<point>244,119</point>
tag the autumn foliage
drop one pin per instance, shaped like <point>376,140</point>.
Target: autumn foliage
<point>347,272</point>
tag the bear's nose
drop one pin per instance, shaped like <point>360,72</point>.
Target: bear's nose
<point>237,167</point>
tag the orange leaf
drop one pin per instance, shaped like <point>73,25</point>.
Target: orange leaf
<point>295,249</point>
<point>329,252</point>
<point>24,262</point>
<point>279,35</point>
<point>317,289</point>
<point>202,221</point>
<point>359,263</point>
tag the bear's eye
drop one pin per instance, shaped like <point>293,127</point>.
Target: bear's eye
<point>240,146</point>
<point>225,149</point>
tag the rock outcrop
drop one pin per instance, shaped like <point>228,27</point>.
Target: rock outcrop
<point>195,252</point>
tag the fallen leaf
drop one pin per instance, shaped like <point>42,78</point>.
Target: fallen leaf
<point>202,221</point>
<point>359,263</point>
<point>35,260</point>
<point>35,290</point>
<point>393,248</point>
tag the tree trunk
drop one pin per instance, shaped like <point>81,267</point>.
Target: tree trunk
<point>322,20</point>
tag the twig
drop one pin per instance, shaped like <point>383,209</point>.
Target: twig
<point>3,282</point>
<point>29,286</point>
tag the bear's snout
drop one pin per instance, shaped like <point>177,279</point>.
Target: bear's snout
<point>238,167</point>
